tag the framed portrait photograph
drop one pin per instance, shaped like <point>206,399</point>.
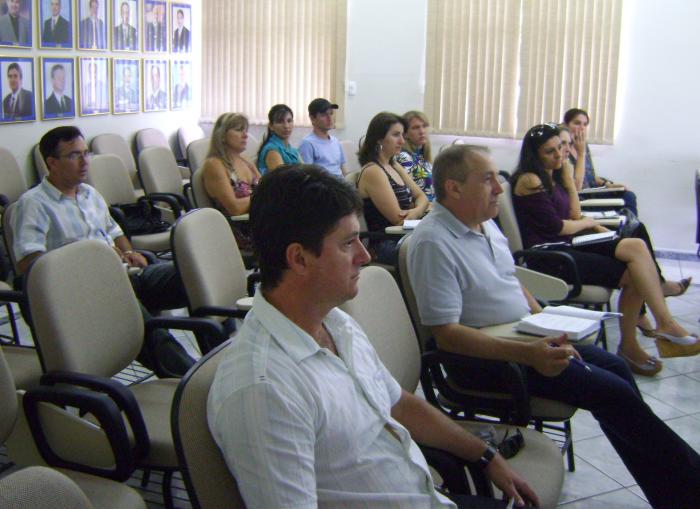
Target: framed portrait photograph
<point>181,16</point>
<point>94,85</point>
<point>92,27</point>
<point>155,85</point>
<point>125,25</point>
<point>155,26</point>
<point>17,86</point>
<point>16,23</point>
<point>126,80</point>
<point>57,88</point>
<point>180,84</point>
<point>55,23</point>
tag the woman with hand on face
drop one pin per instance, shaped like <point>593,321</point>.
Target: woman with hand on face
<point>389,195</point>
<point>577,121</point>
<point>275,149</point>
<point>228,177</point>
<point>416,155</point>
<point>546,203</point>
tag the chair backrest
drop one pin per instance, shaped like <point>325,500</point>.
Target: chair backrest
<point>187,134</point>
<point>8,400</point>
<point>115,144</point>
<point>159,170</point>
<point>422,332</point>
<point>201,198</point>
<point>208,259</point>
<point>350,152</point>
<point>150,137</point>
<point>380,310</point>
<point>12,182</point>
<point>197,153</point>
<point>251,149</point>
<point>507,218</point>
<point>41,488</point>
<point>9,234</point>
<point>110,177</point>
<point>85,316</point>
<point>39,164</point>
<point>207,477</point>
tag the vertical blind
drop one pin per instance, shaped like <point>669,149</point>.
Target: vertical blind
<point>257,53</point>
<point>495,68</point>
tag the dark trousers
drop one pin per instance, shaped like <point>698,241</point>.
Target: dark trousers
<point>666,468</point>
<point>158,286</point>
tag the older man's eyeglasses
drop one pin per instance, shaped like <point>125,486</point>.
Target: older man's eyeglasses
<point>74,156</point>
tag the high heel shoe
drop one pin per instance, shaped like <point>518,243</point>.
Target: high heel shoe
<point>674,346</point>
<point>650,367</point>
<point>648,333</point>
<point>683,284</point>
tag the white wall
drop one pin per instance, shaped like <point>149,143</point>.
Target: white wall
<point>656,150</point>
<point>21,138</point>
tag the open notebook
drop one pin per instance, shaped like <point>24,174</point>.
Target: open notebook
<point>576,323</point>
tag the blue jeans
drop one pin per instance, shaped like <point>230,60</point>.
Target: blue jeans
<point>666,468</point>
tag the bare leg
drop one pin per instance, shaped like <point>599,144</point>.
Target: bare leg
<point>645,278</point>
<point>629,304</point>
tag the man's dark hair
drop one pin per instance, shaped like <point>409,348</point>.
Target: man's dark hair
<point>56,67</point>
<point>16,67</point>
<point>48,145</point>
<point>296,203</point>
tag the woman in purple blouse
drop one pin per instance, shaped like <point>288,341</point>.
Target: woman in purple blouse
<point>548,210</point>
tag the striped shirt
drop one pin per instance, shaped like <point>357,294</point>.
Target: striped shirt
<point>300,427</point>
<point>44,219</point>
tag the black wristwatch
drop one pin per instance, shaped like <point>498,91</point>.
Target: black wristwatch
<point>487,456</point>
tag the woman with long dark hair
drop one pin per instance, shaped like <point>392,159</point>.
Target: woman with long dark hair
<point>275,149</point>
<point>546,203</point>
<point>389,195</point>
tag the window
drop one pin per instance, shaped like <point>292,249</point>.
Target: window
<point>257,53</point>
<point>497,67</point>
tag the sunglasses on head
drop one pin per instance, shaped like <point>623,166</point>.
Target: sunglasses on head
<point>542,129</point>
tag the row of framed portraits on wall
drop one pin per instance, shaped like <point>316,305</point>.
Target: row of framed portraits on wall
<point>92,86</point>
<point>119,25</point>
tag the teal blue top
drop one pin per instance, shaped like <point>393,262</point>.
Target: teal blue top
<point>289,154</point>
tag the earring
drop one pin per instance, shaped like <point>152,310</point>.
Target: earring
<point>381,147</point>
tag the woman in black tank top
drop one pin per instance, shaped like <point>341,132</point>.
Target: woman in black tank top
<point>389,195</point>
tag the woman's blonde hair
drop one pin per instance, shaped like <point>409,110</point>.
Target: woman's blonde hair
<point>408,117</point>
<point>217,145</point>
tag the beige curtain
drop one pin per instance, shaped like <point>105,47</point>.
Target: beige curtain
<point>569,53</point>
<point>472,66</point>
<point>257,53</point>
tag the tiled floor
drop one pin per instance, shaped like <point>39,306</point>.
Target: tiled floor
<point>600,479</point>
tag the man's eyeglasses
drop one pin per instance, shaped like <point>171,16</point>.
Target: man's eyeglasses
<point>74,156</point>
<point>542,129</point>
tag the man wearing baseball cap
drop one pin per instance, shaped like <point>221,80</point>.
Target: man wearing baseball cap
<point>319,147</point>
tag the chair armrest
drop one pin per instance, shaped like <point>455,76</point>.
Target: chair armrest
<point>563,262</point>
<point>487,380</point>
<point>12,296</point>
<point>204,330</point>
<point>218,311</point>
<point>452,471</point>
<point>117,392</point>
<point>174,201</point>
<point>105,411</point>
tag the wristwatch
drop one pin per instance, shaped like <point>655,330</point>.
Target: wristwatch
<point>487,456</point>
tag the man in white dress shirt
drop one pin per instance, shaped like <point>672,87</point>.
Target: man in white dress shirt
<point>305,413</point>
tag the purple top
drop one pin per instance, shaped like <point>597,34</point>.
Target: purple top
<point>540,216</point>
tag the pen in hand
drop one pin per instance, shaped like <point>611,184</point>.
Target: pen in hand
<point>573,358</point>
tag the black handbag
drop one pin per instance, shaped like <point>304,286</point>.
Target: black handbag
<point>140,218</point>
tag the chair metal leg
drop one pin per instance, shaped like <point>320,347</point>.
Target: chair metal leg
<point>167,489</point>
<point>570,459</point>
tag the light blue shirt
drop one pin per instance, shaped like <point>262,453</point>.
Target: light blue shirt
<point>327,153</point>
<point>44,219</point>
<point>461,275</point>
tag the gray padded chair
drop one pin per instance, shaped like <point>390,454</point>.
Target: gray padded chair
<point>380,310</point>
<point>151,137</point>
<point>96,332</point>
<point>108,175</point>
<point>12,181</point>
<point>201,198</point>
<point>38,487</point>
<point>161,175</point>
<point>186,135</point>
<point>39,164</point>
<point>208,480</point>
<point>197,153</point>
<point>116,145</point>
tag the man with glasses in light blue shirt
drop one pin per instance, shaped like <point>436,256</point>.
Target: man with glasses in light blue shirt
<point>64,209</point>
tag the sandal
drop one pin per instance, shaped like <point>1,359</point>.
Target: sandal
<point>648,332</point>
<point>683,286</point>
<point>650,367</point>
